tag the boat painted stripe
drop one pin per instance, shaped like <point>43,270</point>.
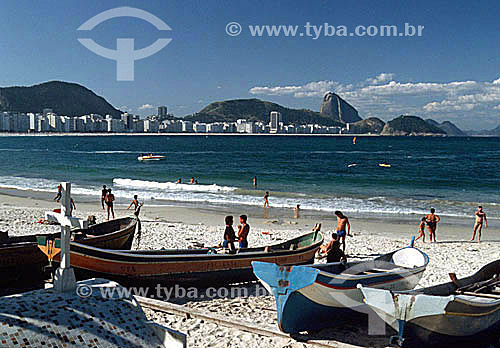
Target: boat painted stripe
<point>472,314</point>
<point>355,287</point>
<point>375,275</point>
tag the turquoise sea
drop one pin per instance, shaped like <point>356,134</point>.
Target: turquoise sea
<point>451,174</point>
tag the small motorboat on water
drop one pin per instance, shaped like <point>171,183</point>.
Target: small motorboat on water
<point>150,157</point>
<point>385,165</point>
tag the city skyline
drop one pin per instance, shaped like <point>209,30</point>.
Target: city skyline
<point>431,76</point>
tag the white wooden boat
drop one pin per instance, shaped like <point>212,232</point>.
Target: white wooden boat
<point>461,313</point>
<point>312,297</point>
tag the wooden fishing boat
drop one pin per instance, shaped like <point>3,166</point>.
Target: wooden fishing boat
<point>309,298</point>
<point>20,256</point>
<point>462,313</point>
<point>198,267</point>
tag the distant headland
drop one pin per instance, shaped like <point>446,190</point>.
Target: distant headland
<point>62,107</point>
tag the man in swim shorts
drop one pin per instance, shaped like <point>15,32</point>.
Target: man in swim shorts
<point>343,227</point>
<point>478,223</point>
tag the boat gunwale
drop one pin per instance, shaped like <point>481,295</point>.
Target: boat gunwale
<point>135,258</point>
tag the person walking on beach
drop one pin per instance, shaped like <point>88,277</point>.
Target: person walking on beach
<point>343,227</point>
<point>243,230</point>
<point>229,235</point>
<point>266,200</point>
<point>110,198</point>
<point>58,197</point>
<point>478,223</point>
<point>104,192</point>
<point>255,182</point>
<point>421,230</point>
<point>192,180</point>
<point>432,220</point>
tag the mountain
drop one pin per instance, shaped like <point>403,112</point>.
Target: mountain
<point>338,109</point>
<point>64,98</point>
<point>371,125</point>
<point>449,127</point>
<point>410,125</point>
<point>257,110</point>
<point>490,132</point>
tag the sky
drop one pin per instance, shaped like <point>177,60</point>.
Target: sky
<point>450,72</point>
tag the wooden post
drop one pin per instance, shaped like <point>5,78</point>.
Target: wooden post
<point>64,278</point>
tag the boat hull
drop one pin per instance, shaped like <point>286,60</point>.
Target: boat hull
<point>307,298</point>
<point>22,261</point>
<point>439,316</point>
<point>195,267</point>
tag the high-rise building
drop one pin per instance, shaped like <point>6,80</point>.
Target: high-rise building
<point>162,111</point>
<point>128,120</point>
<point>275,122</point>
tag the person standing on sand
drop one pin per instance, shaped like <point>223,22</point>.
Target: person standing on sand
<point>135,203</point>
<point>266,200</point>
<point>255,182</point>
<point>421,230</point>
<point>478,224</point>
<point>343,227</point>
<point>58,197</point>
<point>72,206</point>
<point>104,192</point>
<point>432,219</point>
<point>243,230</point>
<point>296,211</point>
<point>110,198</point>
<point>229,235</point>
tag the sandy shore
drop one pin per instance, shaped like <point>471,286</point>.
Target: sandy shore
<point>176,226</point>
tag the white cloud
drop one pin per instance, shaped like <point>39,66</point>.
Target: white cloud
<point>383,96</point>
<point>311,89</point>
<point>125,108</point>
<point>380,78</point>
<point>145,107</point>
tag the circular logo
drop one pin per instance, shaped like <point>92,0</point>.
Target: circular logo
<point>84,290</point>
<point>233,29</point>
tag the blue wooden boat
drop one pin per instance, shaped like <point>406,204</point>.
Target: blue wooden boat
<point>462,313</point>
<point>311,297</point>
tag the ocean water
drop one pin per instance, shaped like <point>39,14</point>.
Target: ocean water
<point>451,174</point>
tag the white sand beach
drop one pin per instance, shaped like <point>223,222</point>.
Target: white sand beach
<point>180,227</point>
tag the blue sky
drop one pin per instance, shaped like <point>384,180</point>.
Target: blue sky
<point>451,72</point>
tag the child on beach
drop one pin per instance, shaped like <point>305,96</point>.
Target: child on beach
<point>343,227</point>
<point>421,230</point>
<point>229,235</point>
<point>243,230</point>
